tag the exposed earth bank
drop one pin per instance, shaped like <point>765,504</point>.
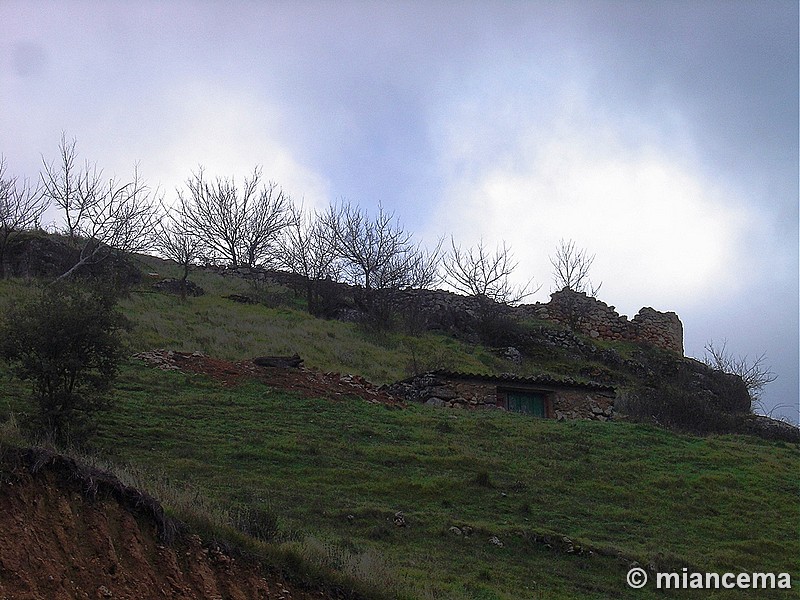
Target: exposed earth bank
<point>69,531</point>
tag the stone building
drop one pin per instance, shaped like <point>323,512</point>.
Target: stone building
<point>538,396</point>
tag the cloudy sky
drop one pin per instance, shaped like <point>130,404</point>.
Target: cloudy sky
<point>661,136</point>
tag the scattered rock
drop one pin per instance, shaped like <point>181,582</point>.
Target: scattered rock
<point>173,286</point>
<point>283,362</point>
<point>495,541</point>
<point>241,299</point>
<point>437,402</point>
<point>307,382</point>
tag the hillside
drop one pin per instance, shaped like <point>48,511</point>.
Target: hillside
<point>78,533</point>
<point>415,501</point>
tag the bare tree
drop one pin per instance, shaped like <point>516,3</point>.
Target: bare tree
<point>571,268</point>
<point>237,226</point>
<point>755,373</point>
<point>377,253</point>
<point>214,215</point>
<point>175,241</point>
<point>72,189</point>
<point>308,249</point>
<point>21,208</point>
<point>416,268</point>
<point>484,274</point>
<point>99,215</point>
<point>266,218</point>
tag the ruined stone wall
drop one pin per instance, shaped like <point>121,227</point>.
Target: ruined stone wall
<point>663,330</point>
<point>446,311</point>
<point>577,311</point>
<point>598,320</point>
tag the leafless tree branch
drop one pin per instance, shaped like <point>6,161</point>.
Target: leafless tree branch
<point>174,240</point>
<point>480,272</point>
<point>755,373</point>
<point>377,252</point>
<point>571,268</point>
<point>237,226</point>
<point>21,208</point>
<point>99,215</point>
<point>72,189</point>
<point>307,248</point>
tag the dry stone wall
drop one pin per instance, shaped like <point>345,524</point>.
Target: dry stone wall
<point>598,320</point>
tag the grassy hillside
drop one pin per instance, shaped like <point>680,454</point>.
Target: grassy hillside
<point>328,476</point>
<point>341,470</point>
<point>226,329</point>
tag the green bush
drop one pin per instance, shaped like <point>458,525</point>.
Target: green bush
<point>676,407</point>
<point>65,340</point>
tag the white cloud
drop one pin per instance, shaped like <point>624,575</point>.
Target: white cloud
<point>663,234</point>
<point>229,133</point>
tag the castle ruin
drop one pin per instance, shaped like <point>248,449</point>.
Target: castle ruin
<point>590,316</point>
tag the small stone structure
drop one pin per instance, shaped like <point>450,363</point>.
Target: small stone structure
<point>594,318</point>
<point>542,396</point>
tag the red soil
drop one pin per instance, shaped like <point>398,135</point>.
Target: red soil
<point>307,382</point>
<point>70,532</point>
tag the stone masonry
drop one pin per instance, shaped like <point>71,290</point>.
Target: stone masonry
<point>565,398</point>
<point>598,320</point>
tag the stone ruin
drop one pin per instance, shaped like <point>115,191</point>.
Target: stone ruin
<point>598,320</point>
<point>439,309</point>
<point>574,310</point>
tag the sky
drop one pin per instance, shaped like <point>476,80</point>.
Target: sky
<point>660,136</point>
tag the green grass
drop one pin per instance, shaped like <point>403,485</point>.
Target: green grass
<point>335,472</point>
<point>234,331</point>
<point>339,471</point>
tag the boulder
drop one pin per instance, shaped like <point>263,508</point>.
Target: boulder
<point>281,362</point>
<point>173,286</point>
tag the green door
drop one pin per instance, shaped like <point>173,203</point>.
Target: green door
<point>529,403</point>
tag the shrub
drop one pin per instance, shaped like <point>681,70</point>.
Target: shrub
<point>64,339</point>
<point>676,407</point>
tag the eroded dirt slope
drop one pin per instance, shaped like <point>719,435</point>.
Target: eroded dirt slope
<point>68,531</point>
<point>310,383</point>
